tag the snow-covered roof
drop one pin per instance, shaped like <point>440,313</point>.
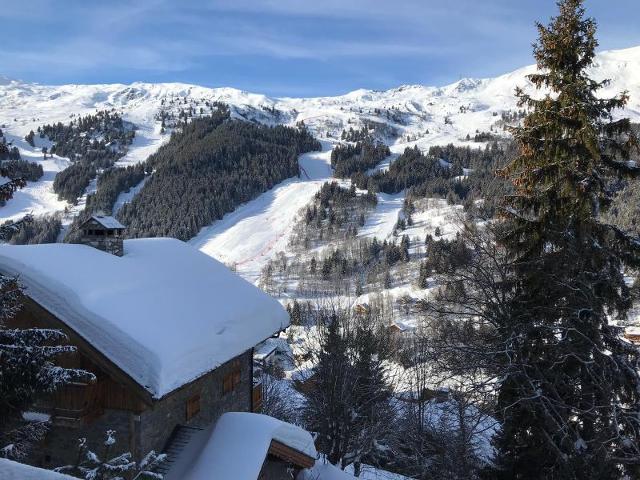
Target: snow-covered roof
<point>323,471</point>
<point>632,330</point>
<point>10,470</point>
<point>267,348</point>
<point>239,444</point>
<point>165,313</point>
<point>107,221</point>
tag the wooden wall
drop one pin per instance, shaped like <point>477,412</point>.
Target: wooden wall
<point>80,400</point>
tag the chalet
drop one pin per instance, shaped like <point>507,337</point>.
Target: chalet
<point>168,332</point>
<point>265,355</point>
<point>104,233</point>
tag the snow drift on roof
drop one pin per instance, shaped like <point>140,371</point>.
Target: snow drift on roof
<point>239,444</point>
<point>165,313</point>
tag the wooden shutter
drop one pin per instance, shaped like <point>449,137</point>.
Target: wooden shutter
<point>193,406</point>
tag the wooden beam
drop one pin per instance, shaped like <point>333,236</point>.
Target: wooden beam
<point>291,455</point>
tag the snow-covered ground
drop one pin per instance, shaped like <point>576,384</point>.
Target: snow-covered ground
<point>382,221</point>
<point>248,237</point>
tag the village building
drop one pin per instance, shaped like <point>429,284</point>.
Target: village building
<point>632,334</point>
<point>167,331</point>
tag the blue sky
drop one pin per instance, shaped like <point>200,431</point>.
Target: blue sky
<point>283,47</point>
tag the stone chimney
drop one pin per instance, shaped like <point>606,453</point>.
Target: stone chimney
<point>104,233</point>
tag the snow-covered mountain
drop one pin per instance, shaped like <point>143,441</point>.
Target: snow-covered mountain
<point>404,116</point>
<point>468,104</point>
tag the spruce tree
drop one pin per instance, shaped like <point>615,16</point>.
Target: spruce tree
<point>328,410</point>
<point>570,396</point>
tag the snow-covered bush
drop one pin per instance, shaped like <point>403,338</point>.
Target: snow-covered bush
<point>91,466</point>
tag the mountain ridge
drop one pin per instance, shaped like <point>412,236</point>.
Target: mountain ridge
<point>634,51</point>
<point>403,116</point>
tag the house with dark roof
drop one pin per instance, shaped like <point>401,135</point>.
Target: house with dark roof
<point>168,332</point>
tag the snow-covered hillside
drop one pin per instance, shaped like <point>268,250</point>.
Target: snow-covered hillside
<point>403,116</point>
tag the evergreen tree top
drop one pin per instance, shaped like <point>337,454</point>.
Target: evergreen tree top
<point>571,148</point>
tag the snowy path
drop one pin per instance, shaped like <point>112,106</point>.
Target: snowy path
<point>381,222</point>
<point>127,197</point>
<point>249,236</point>
<point>147,141</point>
<point>384,165</point>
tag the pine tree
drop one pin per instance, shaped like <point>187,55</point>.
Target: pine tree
<point>570,398</point>
<point>295,313</point>
<point>372,394</point>
<point>328,408</point>
<point>423,275</point>
<point>92,466</point>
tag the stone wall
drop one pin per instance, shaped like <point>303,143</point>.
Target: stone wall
<point>60,446</point>
<point>150,430</point>
<point>158,422</point>
<point>109,244</point>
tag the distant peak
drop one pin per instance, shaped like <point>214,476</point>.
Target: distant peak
<point>4,80</point>
<point>403,88</point>
<point>465,84</point>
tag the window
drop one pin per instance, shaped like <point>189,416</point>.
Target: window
<point>193,406</point>
<point>231,380</point>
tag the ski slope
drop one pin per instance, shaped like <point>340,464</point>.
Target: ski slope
<point>248,237</point>
<point>382,221</point>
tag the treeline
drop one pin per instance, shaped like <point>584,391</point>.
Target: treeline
<point>336,212</point>
<point>92,142</point>
<point>7,151</point>
<point>98,138</point>
<point>36,230</point>
<point>371,253</point>
<point>209,168</point>
<point>111,184</point>
<point>354,267</point>
<point>482,137</point>
<point>357,135</point>
<point>412,168</point>
<point>460,174</point>
<point>442,256</point>
<point>347,159</point>
<point>71,182</point>
<point>14,169</point>
<point>30,171</point>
